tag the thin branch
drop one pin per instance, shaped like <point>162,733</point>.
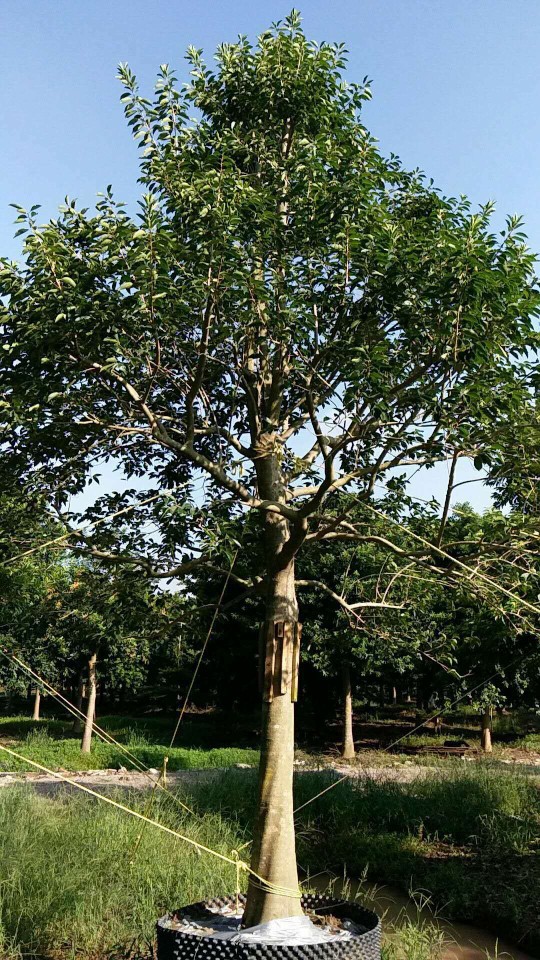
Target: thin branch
<point>172,573</point>
<point>201,363</point>
<point>351,608</point>
<point>448,498</point>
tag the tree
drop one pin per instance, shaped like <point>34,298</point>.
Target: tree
<point>289,315</point>
<point>109,623</point>
<point>478,629</point>
<point>27,589</point>
<point>355,615</point>
<point>57,612</point>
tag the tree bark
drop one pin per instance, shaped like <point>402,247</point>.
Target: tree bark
<point>274,852</point>
<point>486,731</point>
<point>347,751</point>
<point>37,703</point>
<point>77,721</point>
<point>90,706</point>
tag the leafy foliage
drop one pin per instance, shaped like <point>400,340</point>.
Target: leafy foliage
<point>283,285</point>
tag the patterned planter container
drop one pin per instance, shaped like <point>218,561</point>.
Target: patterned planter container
<point>175,944</point>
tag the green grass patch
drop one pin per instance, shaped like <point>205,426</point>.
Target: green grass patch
<point>471,837</point>
<point>56,753</point>
<point>468,835</point>
<point>531,741</point>
<point>72,884</point>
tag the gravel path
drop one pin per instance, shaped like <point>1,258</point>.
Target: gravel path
<point>103,781</point>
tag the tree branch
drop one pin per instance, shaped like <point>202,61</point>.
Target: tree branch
<point>201,363</point>
<point>351,608</point>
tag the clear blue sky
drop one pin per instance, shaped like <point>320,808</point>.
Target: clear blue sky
<point>456,91</point>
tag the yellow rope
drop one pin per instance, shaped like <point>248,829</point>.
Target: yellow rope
<point>108,738</point>
<point>99,731</point>
<point>238,864</point>
<point>237,892</point>
<point>115,803</point>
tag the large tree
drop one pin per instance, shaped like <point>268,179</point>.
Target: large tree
<point>288,314</point>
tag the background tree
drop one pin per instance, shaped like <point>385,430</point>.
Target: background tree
<point>289,315</point>
<point>27,591</point>
<point>57,611</point>
<point>356,619</point>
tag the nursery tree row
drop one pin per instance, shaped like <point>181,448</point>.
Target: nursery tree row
<point>435,639</point>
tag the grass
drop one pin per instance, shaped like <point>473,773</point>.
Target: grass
<point>46,742</point>
<point>531,741</point>
<point>413,938</point>
<point>469,835</point>
<point>71,886</point>
<point>209,739</point>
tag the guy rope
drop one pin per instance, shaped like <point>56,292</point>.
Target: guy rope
<point>239,865</point>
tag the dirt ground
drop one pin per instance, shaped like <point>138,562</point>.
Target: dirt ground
<point>403,771</point>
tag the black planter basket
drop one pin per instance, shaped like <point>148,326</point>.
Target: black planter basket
<point>176,945</point>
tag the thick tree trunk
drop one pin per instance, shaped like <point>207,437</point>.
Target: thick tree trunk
<point>486,731</point>
<point>274,853</point>
<point>347,751</point>
<point>77,721</point>
<point>90,706</point>
<point>37,702</point>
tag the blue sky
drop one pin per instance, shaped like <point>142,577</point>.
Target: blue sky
<point>456,89</point>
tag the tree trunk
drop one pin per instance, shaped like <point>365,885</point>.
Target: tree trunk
<point>90,706</point>
<point>394,695</point>
<point>486,731</point>
<point>77,721</point>
<point>347,751</point>
<point>274,854</point>
<point>37,702</point>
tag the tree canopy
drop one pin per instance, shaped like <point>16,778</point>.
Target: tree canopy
<point>283,288</point>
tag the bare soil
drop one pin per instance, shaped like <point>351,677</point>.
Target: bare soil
<point>403,771</point>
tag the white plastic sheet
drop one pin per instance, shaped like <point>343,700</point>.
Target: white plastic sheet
<point>293,931</point>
